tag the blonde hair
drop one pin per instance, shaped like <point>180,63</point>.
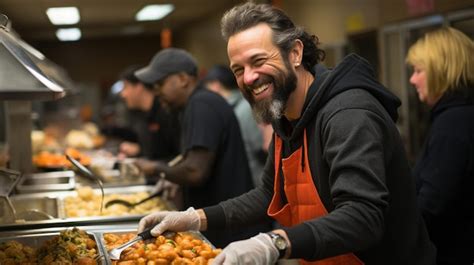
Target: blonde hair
<point>447,56</point>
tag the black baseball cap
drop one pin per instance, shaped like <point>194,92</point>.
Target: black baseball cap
<point>166,62</point>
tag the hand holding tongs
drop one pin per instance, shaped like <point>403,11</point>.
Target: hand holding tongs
<point>114,253</point>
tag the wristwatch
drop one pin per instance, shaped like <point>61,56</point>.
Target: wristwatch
<point>279,242</point>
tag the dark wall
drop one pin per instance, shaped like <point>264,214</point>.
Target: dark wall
<point>99,60</point>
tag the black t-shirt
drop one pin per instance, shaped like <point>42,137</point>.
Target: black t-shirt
<point>209,122</point>
<point>163,129</point>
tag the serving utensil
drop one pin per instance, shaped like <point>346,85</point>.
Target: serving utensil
<point>114,254</point>
<point>171,163</point>
<point>131,205</point>
<point>84,170</point>
<point>87,173</point>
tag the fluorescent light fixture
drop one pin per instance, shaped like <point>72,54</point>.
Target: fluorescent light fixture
<point>70,34</point>
<point>154,12</point>
<point>63,15</point>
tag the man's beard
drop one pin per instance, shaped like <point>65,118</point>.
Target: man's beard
<point>270,109</point>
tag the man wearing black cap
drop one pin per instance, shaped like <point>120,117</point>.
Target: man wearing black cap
<point>155,126</point>
<point>214,166</point>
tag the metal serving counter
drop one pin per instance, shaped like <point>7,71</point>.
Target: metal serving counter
<point>36,237</point>
<point>25,75</point>
<point>47,182</point>
<point>43,210</point>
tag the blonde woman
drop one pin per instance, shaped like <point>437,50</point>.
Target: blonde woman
<point>443,75</point>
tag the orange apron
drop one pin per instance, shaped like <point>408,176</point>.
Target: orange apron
<point>302,196</point>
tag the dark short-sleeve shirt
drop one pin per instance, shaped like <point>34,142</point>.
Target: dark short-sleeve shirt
<point>163,131</point>
<point>209,122</point>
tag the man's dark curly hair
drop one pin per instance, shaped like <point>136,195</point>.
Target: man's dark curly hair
<point>247,15</point>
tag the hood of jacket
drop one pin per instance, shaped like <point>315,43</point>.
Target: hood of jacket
<point>353,72</point>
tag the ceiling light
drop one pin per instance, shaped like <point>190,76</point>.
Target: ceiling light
<point>154,12</point>
<point>70,34</point>
<point>63,15</point>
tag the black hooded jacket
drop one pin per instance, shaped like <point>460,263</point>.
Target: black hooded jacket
<point>445,178</point>
<point>359,168</point>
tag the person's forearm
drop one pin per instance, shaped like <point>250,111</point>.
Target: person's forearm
<point>248,208</point>
<point>193,170</point>
<point>181,174</point>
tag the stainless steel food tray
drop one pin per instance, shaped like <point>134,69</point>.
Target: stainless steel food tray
<point>111,190</point>
<point>47,182</point>
<point>52,204</point>
<point>133,229</point>
<point>35,240</point>
<point>35,237</point>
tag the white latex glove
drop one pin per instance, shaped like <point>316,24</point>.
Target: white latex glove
<point>170,189</point>
<point>256,250</point>
<point>170,221</point>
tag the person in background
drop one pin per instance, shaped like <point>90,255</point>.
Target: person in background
<point>115,119</point>
<point>157,128</point>
<point>338,180</point>
<point>221,80</point>
<point>214,166</point>
<point>443,75</point>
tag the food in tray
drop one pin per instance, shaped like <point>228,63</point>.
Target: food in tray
<point>13,252</point>
<point>72,246</point>
<point>78,155</point>
<point>182,248</point>
<point>88,137</point>
<point>87,203</point>
<point>43,141</point>
<point>79,139</point>
<point>46,159</point>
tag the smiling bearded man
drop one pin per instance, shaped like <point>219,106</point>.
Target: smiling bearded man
<point>337,180</point>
